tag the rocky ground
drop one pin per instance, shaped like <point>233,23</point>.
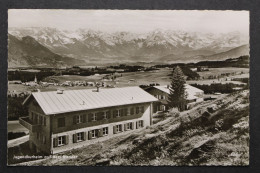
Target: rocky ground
<point>212,133</point>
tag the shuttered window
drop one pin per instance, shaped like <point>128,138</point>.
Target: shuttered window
<point>107,114</point>
<point>79,119</point>
<point>139,124</point>
<point>128,126</point>
<point>105,131</point>
<point>119,128</point>
<point>61,140</point>
<point>137,110</point>
<point>94,133</point>
<point>80,137</point>
<point>94,117</point>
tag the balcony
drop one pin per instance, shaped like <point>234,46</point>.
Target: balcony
<point>27,123</point>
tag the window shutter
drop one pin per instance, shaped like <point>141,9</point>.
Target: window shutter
<point>124,127</point>
<point>100,116</point>
<point>142,109</point>
<point>142,122</point>
<point>55,142</point>
<point>67,139</point>
<point>114,113</point>
<point>114,130</point>
<point>132,125</point>
<point>90,117</point>
<point>137,125</point>
<point>100,132</point>
<point>84,118</point>
<point>89,135</point>
<point>84,136</point>
<point>108,114</point>
<point>74,119</point>
<point>74,138</point>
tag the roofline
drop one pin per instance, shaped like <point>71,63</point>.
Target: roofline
<point>27,99</point>
<point>55,113</point>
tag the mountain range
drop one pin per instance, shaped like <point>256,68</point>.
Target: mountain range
<point>28,52</point>
<point>158,46</point>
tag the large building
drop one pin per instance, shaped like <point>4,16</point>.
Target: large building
<point>162,93</point>
<point>64,120</point>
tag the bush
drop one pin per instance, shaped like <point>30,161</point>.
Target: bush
<point>173,112</point>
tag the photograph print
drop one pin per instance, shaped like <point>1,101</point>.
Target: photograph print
<point>128,87</point>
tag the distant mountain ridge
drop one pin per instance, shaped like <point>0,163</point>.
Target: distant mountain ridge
<point>28,52</point>
<point>233,53</point>
<point>100,47</point>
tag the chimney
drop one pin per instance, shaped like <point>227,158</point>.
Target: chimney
<point>168,86</point>
<point>97,85</point>
<point>59,91</point>
<point>38,90</point>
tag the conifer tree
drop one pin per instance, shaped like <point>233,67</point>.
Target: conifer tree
<point>177,96</point>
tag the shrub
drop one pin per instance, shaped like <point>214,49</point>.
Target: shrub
<point>173,112</point>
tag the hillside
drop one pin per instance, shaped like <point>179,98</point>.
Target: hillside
<point>233,53</point>
<point>212,133</point>
<point>28,52</point>
<point>101,47</point>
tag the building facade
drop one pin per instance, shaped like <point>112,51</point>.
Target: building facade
<point>64,120</point>
<point>162,93</point>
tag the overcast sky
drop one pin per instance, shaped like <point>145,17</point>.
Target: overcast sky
<point>132,20</point>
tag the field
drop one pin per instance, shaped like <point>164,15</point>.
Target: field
<point>137,78</point>
<point>218,71</point>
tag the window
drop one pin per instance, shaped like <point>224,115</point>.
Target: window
<point>61,122</point>
<point>119,128</point>
<point>106,114</point>
<point>128,126</point>
<point>117,113</point>
<point>105,131</point>
<point>94,133</point>
<point>132,111</point>
<point>94,117</point>
<point>139,124</point>
<point>80,136</point>
<point>79,119</point>
<point>61,140</point>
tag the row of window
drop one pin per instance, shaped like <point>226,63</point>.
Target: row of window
<point>160,97</point>
<point>96,133</point>
<point>77,119</point>
<point>38,119</point>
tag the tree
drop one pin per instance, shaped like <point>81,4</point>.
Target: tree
<point>177,96</point>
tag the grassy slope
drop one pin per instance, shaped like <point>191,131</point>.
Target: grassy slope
<point>218,137</point>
